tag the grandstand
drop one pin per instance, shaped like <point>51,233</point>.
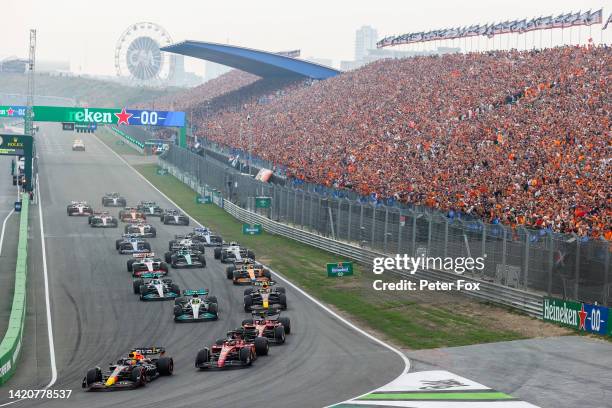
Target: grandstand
<point>513,137</point>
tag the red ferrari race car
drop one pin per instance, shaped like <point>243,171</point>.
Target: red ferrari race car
<point>132,215</point>
<point>236,350</point>
<point>142,365</point>
<point>268,324</point>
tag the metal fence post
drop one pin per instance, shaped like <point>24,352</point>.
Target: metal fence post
<point>484,238</point>
<point>550,263</point>
<point>445,236</point>
<point>386,228</point>
<point>606,275</point>
<point>348,227</point>
<point>373,227</point>
<point>295,207</point>
<point>310,213</point>
<point>414,219</point>
<point>504,248</point>
<point>577,276</point>
<point>302,215</point>
<point>400,229</point>
<point>429,233</point>
<point>338,218</point>
<point>526,259</point>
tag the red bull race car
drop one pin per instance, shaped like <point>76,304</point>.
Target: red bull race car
<point>264,295</point>
<point>141,366</point>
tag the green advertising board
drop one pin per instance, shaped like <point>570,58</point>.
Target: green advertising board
<point>251,229</point>
<point>339,269</point>
<point>19,145</point>
<point>205,199</point>
<point>577,315</point>
<point>161,171</point>
<point>263,202</point>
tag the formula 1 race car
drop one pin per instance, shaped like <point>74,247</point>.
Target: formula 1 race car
<point>150,208</point>
<point>249,274</point>
<point>191,307</point>
<point>131,215</point>
<point>146,263</point>
<point>78,145</point>
<point>233,351</point>
<point>268,324</point>
<point>264,295</point>
<point>186,258</point>
<point>140,366</point>
<point>113,200</point>
<point>130,244</point>
<point>151,286</point>
<point>103,220</point>
<point>233,252</point>
<point>79,208</point>
<point>174,217</point>
<point>181,241</point>
<point>205,236</point>
<point>141,229</point>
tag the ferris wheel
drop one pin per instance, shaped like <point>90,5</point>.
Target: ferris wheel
<point>138,55</point>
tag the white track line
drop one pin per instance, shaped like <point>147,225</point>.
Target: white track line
<point>4,227</point>
<point>47,299</point>
<point>315,301</point>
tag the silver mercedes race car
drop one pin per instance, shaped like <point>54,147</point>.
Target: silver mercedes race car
<point>141,230</point>
<point>79,208</point>
<point>231,252</point>
<point>151,286</point>
<point>186,258</point>
<point>150,208</point>
<point>195,306</point>
<point>103,220</point>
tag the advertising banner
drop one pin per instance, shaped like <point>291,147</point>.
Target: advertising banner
<point>339,269</point>
<point>577,315</point>
<point>12,111</point>
<point>105,116</point>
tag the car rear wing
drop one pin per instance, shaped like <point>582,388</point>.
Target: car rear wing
<point>144,255</point>
<point>149,350</point>
<point>191,292</point>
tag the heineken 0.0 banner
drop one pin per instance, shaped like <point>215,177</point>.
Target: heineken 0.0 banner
<point>12,111</point>
<point>103,116</point>
<point>577,315</point>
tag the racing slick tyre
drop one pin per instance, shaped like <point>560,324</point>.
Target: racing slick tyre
<point>251,254</point>
<point>178,300</point>
<point>212,299</point>
<point>165,221</point>
<point>202,357</point>
<point>245,356</point>
<point>247,321</point>
<point>186,222</point>
<point>163,266</point>
<point>217,253</point>
<point>201,248</point>
<point>282,299</point>
<point>235,277</point>
<point>229,271</point>
<point>219,342</point>
<point>280,289</point>
<point>138,376</point>
<point>248,291</point>
<point>129,265</point>
<point>137,284</point>
<point>125,229</point>
<point>117,242</point>
<point>153,233</point>
<point>168,257</point>
<point>88,219</point>
<point>171,244</point>
<point>146,246</point>
<point>142,289</point>
<point>115,223</point>
<point>248,303</point>
<point>202,260</point>
<point>178,310</point>
<point>213,308</point>
<point>93,375</point>
<point>279,334</point>
<point>175,288</point>
<point>286,324</point>
<point>165,365</point>
<point>262,346</point>
<point>267,274</point>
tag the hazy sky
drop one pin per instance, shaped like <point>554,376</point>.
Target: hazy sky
<point>85,31</point>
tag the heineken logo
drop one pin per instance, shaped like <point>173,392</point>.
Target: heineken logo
<point>560,313</point>
<point>95,116</point>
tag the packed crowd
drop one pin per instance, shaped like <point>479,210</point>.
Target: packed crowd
<point>520,138</point>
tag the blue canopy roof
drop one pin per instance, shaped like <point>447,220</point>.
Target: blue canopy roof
<point>261,63</point>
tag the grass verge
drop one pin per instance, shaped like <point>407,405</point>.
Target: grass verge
<point>406,319</point>
<point>115,142</point>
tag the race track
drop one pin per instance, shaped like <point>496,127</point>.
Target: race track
<point>96,318</point>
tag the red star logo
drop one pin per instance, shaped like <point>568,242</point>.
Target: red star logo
<point>123,117</point>
<point>582,314</point>
<point>10,111</point>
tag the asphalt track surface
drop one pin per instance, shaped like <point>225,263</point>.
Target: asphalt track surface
<point>96,318</point>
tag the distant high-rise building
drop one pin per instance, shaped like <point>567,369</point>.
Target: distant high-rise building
<point>365,40</point>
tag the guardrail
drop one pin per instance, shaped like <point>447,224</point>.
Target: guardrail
<point>135,143</point>
<point>10,347</point>
<point>526,302</point>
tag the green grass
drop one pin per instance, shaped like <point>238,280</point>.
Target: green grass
<point>401,319</point>
<point>115,142</point>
